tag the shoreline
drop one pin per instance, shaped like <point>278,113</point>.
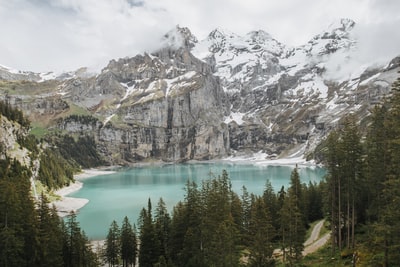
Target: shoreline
<point>66,205</point>
<point>263,159</point>
<point>87,173</point>
<point>294,157</point>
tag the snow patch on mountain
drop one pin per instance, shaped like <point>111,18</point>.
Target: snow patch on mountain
<point>236,56</point>
<point>10,70</point>
<point>309,85</point>
<point>129,90</point>
<point>47,76</point>
<point>236,117</point>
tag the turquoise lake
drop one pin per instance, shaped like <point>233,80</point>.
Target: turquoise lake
<point>126,192</point>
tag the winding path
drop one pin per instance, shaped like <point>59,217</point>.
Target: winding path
<point>314,233</point>
<point>317,244</point>
<point>313,243</point>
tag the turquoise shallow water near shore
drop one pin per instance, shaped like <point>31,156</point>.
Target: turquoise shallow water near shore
<point>126,192</point>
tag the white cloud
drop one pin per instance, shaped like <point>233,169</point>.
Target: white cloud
<point>64,35</point>
<point>59,35</point>
<point>377,44</point>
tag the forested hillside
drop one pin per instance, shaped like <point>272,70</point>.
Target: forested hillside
<point>31,233</point>
<point>364,185</point>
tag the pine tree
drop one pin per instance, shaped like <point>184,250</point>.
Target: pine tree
<point>50,235</point>
<point>11,248</point>
<point>148,251</point>
<point>218,229</point>
<point>128,244</point>
<point>73,242</point>
<point>352,171</point>
<point>387,227</point>
<point>334,182</point>
<point>18,221</point>
<point>271,202</point>
<point>113,246</point>
<point>162,228</point>
<point>314,202</point>
<point>236,212</point>
<point>177,233</point>
<point>262,233</point>
<point>192,253</point>
<point>292,221</point>
<point>12,244</point>
<point>376,160</point>
<point>76,249</point>
<point>245,222</point>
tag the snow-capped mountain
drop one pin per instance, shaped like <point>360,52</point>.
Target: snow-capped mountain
<point>288,94</point>
<point>10,74</point>
<point>202,99</point>
<point>259,63</point>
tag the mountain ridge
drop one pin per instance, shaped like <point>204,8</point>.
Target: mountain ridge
<point>212,98</point>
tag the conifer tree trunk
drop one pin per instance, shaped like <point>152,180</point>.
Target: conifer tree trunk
<point>386,262</point>
<point>333,215</point>
<point>348,215</point>
<point>339,217</point>
<point>352,225</point>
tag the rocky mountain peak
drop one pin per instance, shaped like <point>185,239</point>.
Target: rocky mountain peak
<point>336,37</point>
<point>179,37</point>
<point>337,30</point>
<point>343,25</point>
<point>10,74</point>
<point>221,33</point>
<point>259,36</point>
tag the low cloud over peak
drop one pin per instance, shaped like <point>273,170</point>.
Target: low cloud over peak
<point>64,35</point>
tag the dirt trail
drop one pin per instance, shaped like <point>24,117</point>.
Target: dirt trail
<point>315,233</point>
<point>317,244</point>
<point>312,244</point>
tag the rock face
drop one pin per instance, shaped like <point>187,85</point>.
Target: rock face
<point>165,106</point>
<point>10,135</point>
<point>208,99</point>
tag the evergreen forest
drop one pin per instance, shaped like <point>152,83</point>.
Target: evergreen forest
<point>32,233</point>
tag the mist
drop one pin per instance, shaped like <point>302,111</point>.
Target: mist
<point>376,45</point>
<point>64,35</point>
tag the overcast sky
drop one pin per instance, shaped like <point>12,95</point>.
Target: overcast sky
<point>63,35</point>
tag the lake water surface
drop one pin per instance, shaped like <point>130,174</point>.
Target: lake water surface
<point>126,192</point>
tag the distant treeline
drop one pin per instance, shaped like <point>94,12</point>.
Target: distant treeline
<point>61,157</point>
<point>81,150</point>
<point>55,171</point>
<point>13,114</point>
<point>83,119</point>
